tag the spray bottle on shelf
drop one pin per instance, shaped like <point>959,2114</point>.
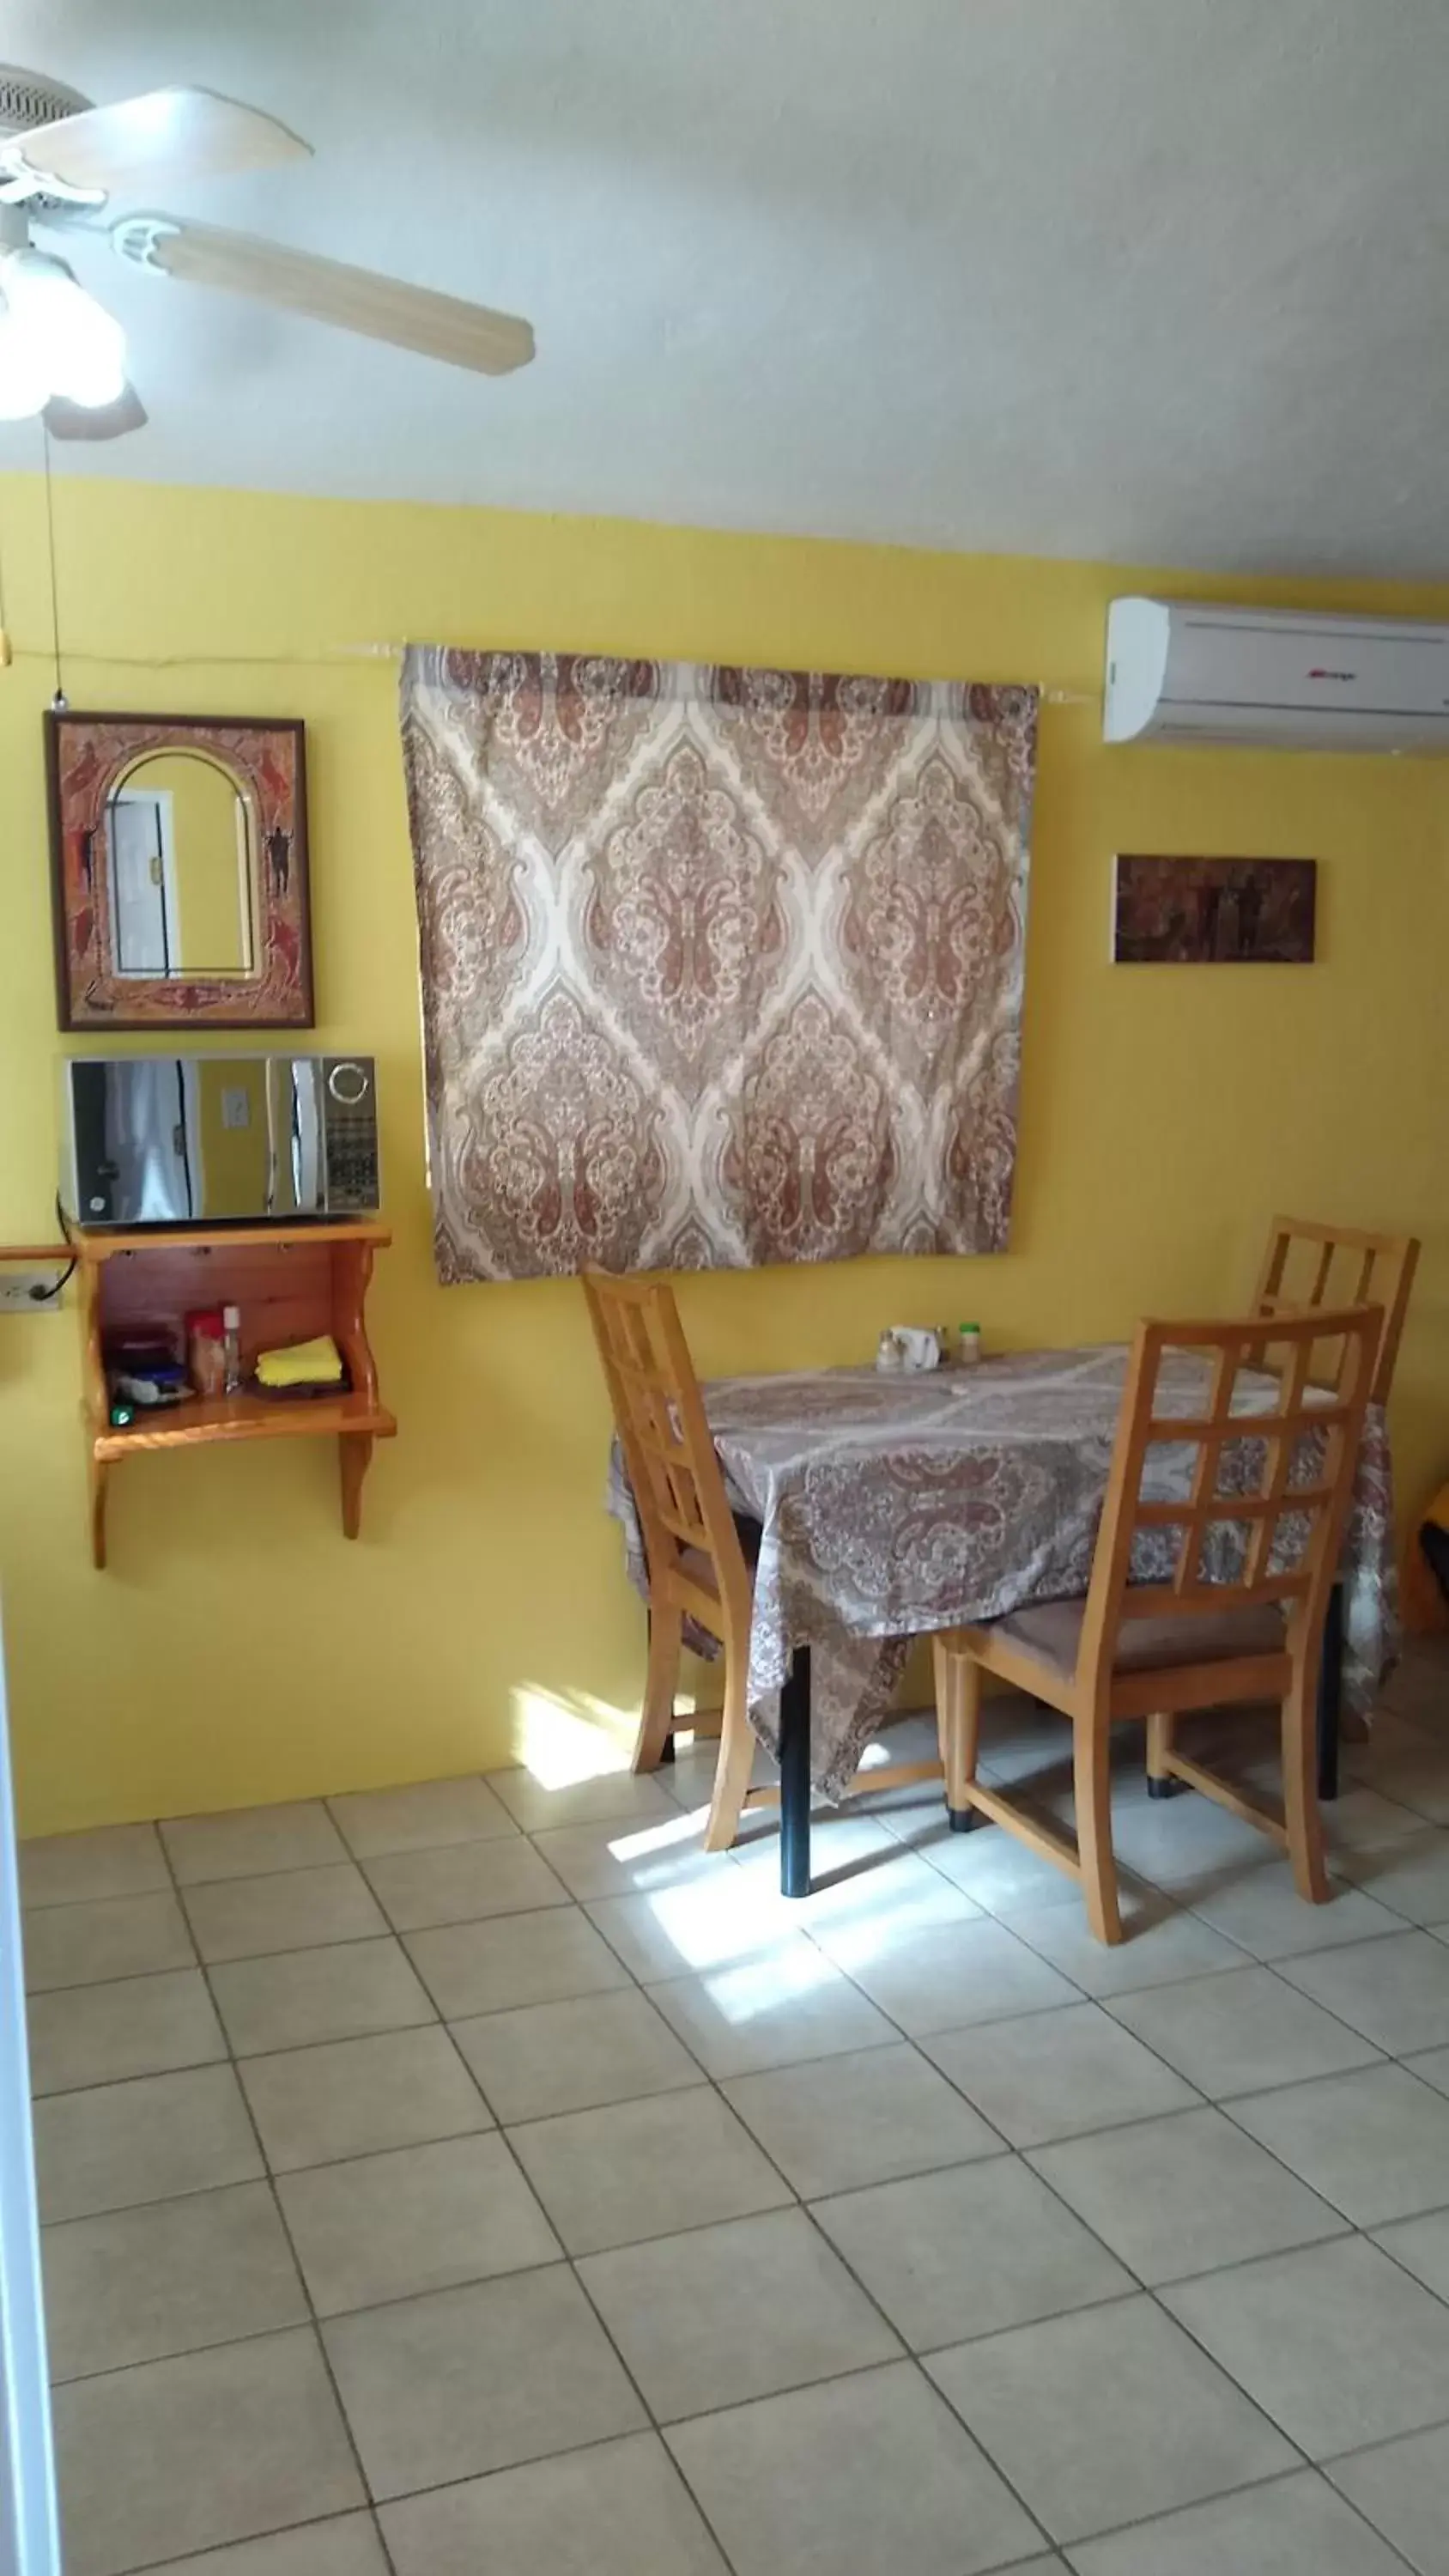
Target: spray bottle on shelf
<point>231,1345</point>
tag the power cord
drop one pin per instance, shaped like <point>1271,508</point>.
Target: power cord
<point>44,1296</point>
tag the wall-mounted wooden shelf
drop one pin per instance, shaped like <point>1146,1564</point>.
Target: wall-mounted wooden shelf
<point>289,1282</point>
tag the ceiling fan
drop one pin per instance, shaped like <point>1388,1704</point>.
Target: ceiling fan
<point>62,355</point>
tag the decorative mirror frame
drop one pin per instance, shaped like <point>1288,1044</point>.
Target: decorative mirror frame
<point>86,756</point>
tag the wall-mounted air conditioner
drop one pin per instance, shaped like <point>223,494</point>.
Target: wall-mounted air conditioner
<point>1181,672</point>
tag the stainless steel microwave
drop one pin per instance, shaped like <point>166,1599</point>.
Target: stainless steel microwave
<point>213,1139</point>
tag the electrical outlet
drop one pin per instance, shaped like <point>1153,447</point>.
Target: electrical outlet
<point>18,1286</point>
<point>236,1107</point>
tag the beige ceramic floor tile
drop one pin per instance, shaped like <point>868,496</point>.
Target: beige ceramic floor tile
<point>1410,1877</point>
<point>477,2379</point>
<point>631,1856</point>
<point>419,2219</point>
<point>969,2251</point>
<point>698,1925</point>
<point>1335,2343</point>
<point>540,1805</point>
<point>345,2545</point>
<point>733,2312</point>
<point>69,1869</point>
<point>142,2283</point>
<point>463,1883</point>
<point>1184,2194</point>
<point>842,2122</point>
<point>893,1893</point>
<point>425,1817</point>
<point>640,2169</point>
<point>516,1959</point>
<point>114,1936</point>
<point>183,2455</point>
<point>620,2509</point>
<point>1159,1949</point>
<point>852,2477</point>
<point>356,2097</point>
<point>994,1869</point>
<point>1239,2033</point>
<point>295,1909</point>
<point>137,2026</point>
<point>1401,2490</point>
<point>150,2139</point>
<point>305,1995</point>
<point>946,1975</point>
<point>1293,2527</point>
<point>250,1841</point>
<point>776,2011</point>
<point>1375,2144</point>
<point>1432,2068</point>
<point>1262,1911</point>
<point>1421,2245</point>
<point>1358,1820</point>
<point>1064,2409</point>
<point>1395,1991</point>
<point>1057,2074</point>
<point>573,2056</point>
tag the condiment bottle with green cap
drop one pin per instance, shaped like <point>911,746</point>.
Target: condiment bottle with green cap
<point>968,1345</point>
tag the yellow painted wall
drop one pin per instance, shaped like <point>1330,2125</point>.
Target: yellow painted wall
<point>239,1649</point>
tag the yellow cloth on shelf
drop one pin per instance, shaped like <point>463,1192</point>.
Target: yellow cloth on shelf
<point>314,1363</point>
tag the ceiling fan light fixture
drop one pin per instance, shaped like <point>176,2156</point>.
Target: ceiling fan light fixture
<point>63,334</point>
<point>24,385</point>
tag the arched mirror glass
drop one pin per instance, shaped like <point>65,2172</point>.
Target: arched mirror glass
<point>181,868</point>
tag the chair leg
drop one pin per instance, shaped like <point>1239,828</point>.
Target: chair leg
<point>736,1760</point>
<point>656,1723</point>
<point>958,1728</point>
<point>1092,1783</point>
<point>1160,1783</point>
<point>1300,1791</point>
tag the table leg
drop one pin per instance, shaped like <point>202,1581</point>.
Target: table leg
<point>1330,1696</point>
<point>795,1777</point>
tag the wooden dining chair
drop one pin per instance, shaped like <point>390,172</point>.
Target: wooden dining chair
<point>1236,1614</point>
<point>1308,1266</point>
<point>695,1559</point>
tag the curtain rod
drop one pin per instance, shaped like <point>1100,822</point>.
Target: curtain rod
<point>333,654</point>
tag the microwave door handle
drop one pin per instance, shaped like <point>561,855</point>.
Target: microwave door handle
<point>270,1202</point>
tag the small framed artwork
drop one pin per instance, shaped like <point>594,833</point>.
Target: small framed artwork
<point>1214,912</point>
<point>179,853</point>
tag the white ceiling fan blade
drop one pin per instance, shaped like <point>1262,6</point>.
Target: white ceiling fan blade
<point>167,134</point>
<point>107,420</point>
<point>356,299</point>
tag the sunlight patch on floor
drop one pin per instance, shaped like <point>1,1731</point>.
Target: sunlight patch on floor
<point>562,1741</point>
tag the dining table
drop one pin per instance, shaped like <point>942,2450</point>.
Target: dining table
<point>884,1506</point>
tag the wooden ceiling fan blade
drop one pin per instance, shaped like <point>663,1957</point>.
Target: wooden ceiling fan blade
<point>107,420</point>
<point>327,290</point>
<point>167,134</point>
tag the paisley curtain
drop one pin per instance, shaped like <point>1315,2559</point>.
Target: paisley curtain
<point>719,967</point>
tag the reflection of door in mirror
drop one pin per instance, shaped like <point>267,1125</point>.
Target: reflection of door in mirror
<point>182,879</point>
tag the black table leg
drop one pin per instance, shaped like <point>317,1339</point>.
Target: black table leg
<point>795,1777</point>
<point>1330,1696</point>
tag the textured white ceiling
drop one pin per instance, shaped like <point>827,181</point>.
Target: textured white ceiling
<point>1165,280</point>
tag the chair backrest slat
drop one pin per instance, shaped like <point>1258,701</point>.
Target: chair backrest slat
<point>1308,1266</point>
<point>670,1458</point>
<point>1255,1514</point>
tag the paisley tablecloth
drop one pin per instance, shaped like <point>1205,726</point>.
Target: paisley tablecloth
<point>890,1506</point>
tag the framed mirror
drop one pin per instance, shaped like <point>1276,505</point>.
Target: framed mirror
<point>179,851</point>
